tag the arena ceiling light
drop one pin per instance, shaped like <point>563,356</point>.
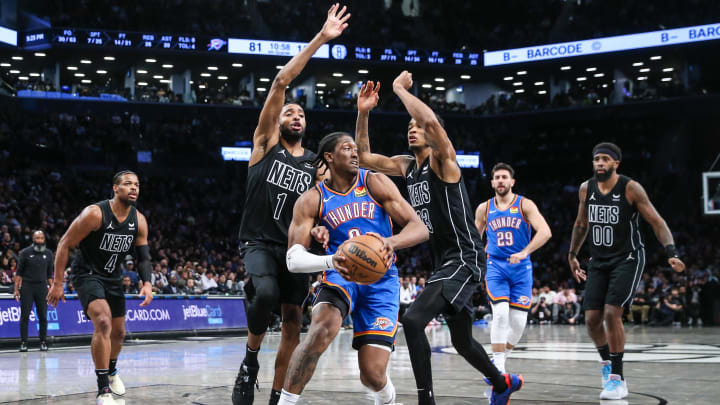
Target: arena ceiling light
<point>320,92</point>
<point>15,72</point>
<point>363,71</point>
<point>142,83</point>
<point>150,60</point>
<point>34,74</point>
<point>439,79</point>
<point>666,79</point>
<point>642,78</point>
<point>591,69</point>
<point>23,78</point>
<point>320,85</point>
<point>427,86</point>
<point>539,83</point>
<point>201,86</point>
<point>205,74</point>
<point>85,61</point>
<point>581,78</point>
<point>212,68</point>
<point>465,77</point>
<point>166,81</point>
<point>604,85</point>
<point>518,91</point>
<point>72,68</point>
<point>599,75</point>
<point>638,64</point>
<point>79,74</point>
<point>141,71</point>
<point>345,81</point>
<point>222,77</point>
<point>657,57</point>
<point>86,81</point>
<point>109,58</point>
<point>40,54</point>
<point>542,92</point>
<point>644,70</point>
<point>5,64</point>
<point>157,77</point>
<point>17,58</point>
<point>565,67</point>
<point>440,88</point>
<point>507,78</point>
<point>278,67</point>
<point>101,72</point>
<point>522,72</point>
<point>261,89</point>
<point>167,66</point>
<point>517,83</point>
<point>337,74</point>
<point>265,79</point>
<point>237,65</point>
<point>668,69</point>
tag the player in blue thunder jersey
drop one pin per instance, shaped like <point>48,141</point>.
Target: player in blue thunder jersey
<point>509,219</point>
<point>350,203</point>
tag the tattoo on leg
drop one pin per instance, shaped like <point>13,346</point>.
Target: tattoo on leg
<point>302,367</point>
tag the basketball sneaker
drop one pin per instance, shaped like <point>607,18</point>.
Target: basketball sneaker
<point>615,388</point>
<point>514,383</point>
<point>43,346</point>
<point>23,346</point>
<point>245,383</point>
<point>606,370</point>
<point>116,384</point>
<point>105,398</point>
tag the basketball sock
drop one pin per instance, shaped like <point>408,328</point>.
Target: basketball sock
<point>251,357</point>
<point>617,364</point>
<point>287,398</point>
<point>387,394</point>
<point>499,361</point>
<point>274,397</point>
<point>102,378</point>
<point>507,352</point>
<point>113,367</point>
<point>425,396</point>
<point>604,352</point>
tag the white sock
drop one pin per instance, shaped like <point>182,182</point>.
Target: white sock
<point>507,352</point>
<point>287,398</point>
<point>499,360</point>
<point>387,394</point>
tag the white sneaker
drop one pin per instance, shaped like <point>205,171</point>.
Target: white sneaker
<point>116,384</point>
<point>105,399</point>
<point>616,388</point>
<point>606,370</point>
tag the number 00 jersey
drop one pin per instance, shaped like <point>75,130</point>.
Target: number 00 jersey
<point>273,185</point>
<point>507,231</point>
<point>102,251</point>
<point>613,223</point>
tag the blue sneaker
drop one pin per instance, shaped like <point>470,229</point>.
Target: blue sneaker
<point>514,383</point>
<point>616,388</point>
<point>606,370</point>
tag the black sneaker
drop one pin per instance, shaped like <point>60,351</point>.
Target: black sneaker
<point>23,346</point>
<point>43,346</point>
<point>245,383</point>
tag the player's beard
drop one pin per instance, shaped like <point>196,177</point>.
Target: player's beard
<point>604,176</point>
<point>290,135</point>
<point>504,192</point>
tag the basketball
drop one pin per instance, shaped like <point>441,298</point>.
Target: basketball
<point>364,259</point>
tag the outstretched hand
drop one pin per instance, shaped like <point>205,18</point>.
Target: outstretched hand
<point>368,96</point>
<point>335,23</point>
<point>404,80</point>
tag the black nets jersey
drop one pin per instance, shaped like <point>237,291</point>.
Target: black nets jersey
<point>445,210</point>
<point>273,185</point>
<point>101,252</point>
<point>613,229</point>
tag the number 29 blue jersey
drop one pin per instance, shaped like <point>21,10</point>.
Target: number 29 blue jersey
<point>507,231</point>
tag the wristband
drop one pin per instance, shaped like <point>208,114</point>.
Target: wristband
<point>671,251</point>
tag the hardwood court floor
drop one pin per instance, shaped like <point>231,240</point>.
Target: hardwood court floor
<point>663,365</point>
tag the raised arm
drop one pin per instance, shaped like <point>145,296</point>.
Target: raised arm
<point>386,193</point>
<point>444,162</point>
<point>542,230</point>
<point>481,217</point>
<point>267,133</point>
<point>579,232</point>
<point>391,166</point>
<point>144,265</point>
<point>90,219</point>
<point>637,196</point>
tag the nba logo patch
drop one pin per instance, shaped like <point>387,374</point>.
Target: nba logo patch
<point>382,323</point>
<point>513,210</point>
<point>360,191</point>
<point>524,300</point>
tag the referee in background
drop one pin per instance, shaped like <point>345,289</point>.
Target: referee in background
<point>35,272</point>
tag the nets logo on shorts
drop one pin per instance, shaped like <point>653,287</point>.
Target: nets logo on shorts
<point>382,323</point>
<point>360,191</point>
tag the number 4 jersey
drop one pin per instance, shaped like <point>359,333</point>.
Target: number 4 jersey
<point>507,230</point>
<point>102,251</point>
<point>273,185</point>
<point>613,223</point>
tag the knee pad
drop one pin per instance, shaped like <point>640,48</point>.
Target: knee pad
<point>500,323</point>
<point>518,319</point>
<point>265,300</point>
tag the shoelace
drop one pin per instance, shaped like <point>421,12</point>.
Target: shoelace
<point>613,384</point>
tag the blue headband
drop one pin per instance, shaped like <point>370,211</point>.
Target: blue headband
<point>607,151</point>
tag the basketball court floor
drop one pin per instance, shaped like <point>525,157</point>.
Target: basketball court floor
<point>663,365</point>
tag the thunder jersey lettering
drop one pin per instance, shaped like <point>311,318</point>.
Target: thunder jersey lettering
<point>507,231</point>
<point>613,223</point>
<point>445,210</point>
<point>273,185</point>
<point>102,251</point>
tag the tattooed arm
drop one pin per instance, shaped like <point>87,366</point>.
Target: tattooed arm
<point>579,233</point>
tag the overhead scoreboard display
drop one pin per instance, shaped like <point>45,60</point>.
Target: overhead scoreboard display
<point>8,36</point>
<point>602,45</point>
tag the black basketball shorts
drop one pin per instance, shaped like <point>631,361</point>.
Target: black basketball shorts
<point>268,261</point>
<point>459,283</point>
<point>614,282</point>
<point>90,288</point>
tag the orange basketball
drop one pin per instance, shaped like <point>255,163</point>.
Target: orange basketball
<point>364,258</point>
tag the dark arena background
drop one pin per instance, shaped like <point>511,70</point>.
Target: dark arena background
<point>172,90</point>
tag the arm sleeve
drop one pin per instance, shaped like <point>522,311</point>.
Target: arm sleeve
<point>299,260</point>
<point>144,266</point>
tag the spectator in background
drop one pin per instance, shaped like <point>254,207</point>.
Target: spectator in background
<point>541,313</point>
<point>563,297</point>
<point>128,269</point>
<point>128,287</point>
<point>191,288</point>
<point>413,287</point>
<point>669,309</point>
<point>569,314</point>
<point>420,285</point>
<point>640,305</point>
<point>172,288</point>
<point>208,282</point>
<point>406,296</point>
